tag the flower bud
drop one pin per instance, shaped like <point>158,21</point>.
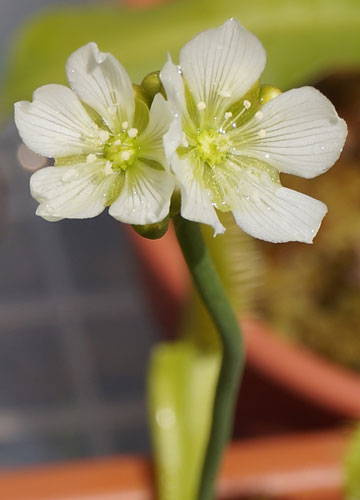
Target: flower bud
<point>151,85</point>
<point>268,92</point>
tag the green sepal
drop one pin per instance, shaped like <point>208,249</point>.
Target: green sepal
<point>152,231</point>
<point>175,204</point>
<point>139,93</point>
<point>141,115</point>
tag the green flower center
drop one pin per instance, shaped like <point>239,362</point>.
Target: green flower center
<point>212,146</point>
<point>122,149</point>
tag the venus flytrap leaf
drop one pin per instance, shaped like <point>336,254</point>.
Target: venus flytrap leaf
<point>181,381</point>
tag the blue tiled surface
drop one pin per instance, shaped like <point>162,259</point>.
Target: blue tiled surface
<point>75,328</point>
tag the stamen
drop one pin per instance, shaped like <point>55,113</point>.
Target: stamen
<point>133,132</point>
<point>236,117</point>
<point>124,125</point>
<point>259,115</point>
<point>247,104</point>
<point>104,135</point>
<point>108,168</point>
<point>90,158</point>
<point>201,105</point>
<point>117,142</point>
<point>262,133</point>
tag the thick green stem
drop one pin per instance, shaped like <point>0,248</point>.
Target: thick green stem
<point>210,288</point>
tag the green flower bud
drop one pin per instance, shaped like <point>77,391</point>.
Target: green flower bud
<point>268,92</point>
<point>151,85</point>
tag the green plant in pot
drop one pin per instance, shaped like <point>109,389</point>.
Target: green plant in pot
<point>193,142</point>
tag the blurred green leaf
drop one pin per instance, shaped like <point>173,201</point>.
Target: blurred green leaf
<point>181,386</point>
<point>302,38</point>
<point>352,467</point>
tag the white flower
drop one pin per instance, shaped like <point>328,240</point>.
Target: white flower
<point>227,148</point>
<point>108,146</point>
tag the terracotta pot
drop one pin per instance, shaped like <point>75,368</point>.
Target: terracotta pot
<point>299,467</point>
<point>295,388</point>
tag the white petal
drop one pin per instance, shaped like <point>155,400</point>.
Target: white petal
<point>56,124</point>
<point>72,192</point>
<point>299,132</point>
<point>151,140</point>
<point>145,196</point>
<point>195,201</point>
<point>222,64</point>
<point>174,87</point>
<point>101,82</point>
<point>172,138</point>
<point>273,213</point>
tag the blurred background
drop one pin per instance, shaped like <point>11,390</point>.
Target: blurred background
<point>75,330</point>
<point>76,326</point>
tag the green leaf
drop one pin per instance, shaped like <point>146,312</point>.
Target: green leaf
<point>352,467</point>
<point>181,386</point>
<point>302,39</point>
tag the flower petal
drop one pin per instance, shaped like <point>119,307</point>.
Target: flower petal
<point>172,138</point>
<point>298,132</point>
<point>151,140</point>
<point>222,64</point>
<point>145,196</point>
<point>101,82</point>
<point>172,81</point>
<point>56,124</point>
<point>72,192</point>
<point>195,200</point>
<point>270,212</point>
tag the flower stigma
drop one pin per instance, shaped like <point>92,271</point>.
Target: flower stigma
<point>121,149</point>
<point>212,146</point>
